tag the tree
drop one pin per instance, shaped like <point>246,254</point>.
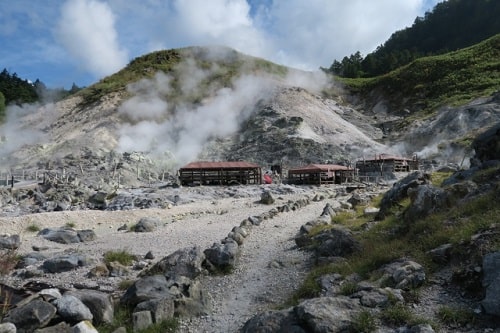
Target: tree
<point>2,106</point>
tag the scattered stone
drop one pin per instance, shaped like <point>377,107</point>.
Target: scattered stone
<point>10,242</point>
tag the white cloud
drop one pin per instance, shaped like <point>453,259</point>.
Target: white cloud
<point>86,29</point>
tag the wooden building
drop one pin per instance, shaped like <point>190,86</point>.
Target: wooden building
<point>319,174</point>
<point>385,163</point>
<point>220,173</point>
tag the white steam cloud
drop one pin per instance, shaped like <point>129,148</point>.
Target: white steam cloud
<point>183,131</point>
<point>17,130</point>
<point>87,30</point>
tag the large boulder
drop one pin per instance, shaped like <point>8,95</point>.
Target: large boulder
<point>33,315</point>
<point>425,199</point>
<point>335,242</point>
<point>64,263</point>
<point>222,256</point>
<point>399,191</point>
<point>71,309</point>
<point>99,303</point>
<point>328,314</point>
<point>145,289</point>
<point>184,262</point>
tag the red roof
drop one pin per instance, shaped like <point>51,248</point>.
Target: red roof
<point>220,165</point>
<point>320,168</point>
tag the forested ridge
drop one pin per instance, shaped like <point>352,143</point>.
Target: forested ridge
<point>451,25</point>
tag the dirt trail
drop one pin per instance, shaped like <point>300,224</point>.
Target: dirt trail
<point>269,270</point>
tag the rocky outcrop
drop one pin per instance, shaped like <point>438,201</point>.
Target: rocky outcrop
<point>491,283</point>
<point>399,191</point>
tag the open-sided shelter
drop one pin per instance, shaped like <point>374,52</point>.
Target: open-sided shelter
<point>220,173</point>
<point>318,174</point>
<point>384,163</point>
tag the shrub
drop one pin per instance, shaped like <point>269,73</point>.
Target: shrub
<point>348,288</point>
<point>33,228</point>
<point>455,315</point>
<point>363,322</point>
<point>122,256</point>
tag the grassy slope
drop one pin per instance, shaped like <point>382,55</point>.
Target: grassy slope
<point>427,83</point>
<point>228,63</point>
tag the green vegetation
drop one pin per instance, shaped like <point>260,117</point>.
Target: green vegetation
<point>393,238</point>
<point>219,71</point>
<point>452,25</point>
<point>399,314</point>
<point>363,322</point>
<point>123,318</point>
<point>121,256</point>
<point>70,224</point>
<point>452,78</point>
<point>455,316</point>
<point>33,228</point>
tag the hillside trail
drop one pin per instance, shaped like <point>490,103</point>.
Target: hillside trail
<point>270,268</point>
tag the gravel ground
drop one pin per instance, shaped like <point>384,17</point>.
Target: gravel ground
<point>269,269</point>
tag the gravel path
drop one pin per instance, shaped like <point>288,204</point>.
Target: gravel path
<point>269,269</point>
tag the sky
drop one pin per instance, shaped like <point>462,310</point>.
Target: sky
<point>62,42</point>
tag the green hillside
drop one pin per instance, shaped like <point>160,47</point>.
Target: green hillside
<point>223,64</point>
<point>427,83</point>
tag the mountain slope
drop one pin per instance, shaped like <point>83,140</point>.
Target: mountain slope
<point>212,104</point>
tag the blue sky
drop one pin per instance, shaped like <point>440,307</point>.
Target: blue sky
<point>82,41</point>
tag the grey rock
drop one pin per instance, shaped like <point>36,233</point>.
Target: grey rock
<point>60,235</point>
<point>404,274</point>
<point>491,283</point>
<point>441,254</point>
<point>328,210</point>
<point>141,320</point>
<point>116,269</point>
<point>86,235</point>
<point>63,263</point>
<point>266,198</point>
<point>255,220</point>
<point>160,309</point>
<point>33,315</point>
<point>425,199</point>
<point>84,327</point>
<point>145,289</point>
<point>147,224</point>
<point>99,303</point>
<point>327,314</point>
<point>10,242</point>
<point>334,242</point>
<point>62,327</point>
<point>273,322</point>
<point>222,256</point>
<point>183,262</point>
<point>399,191</point>
<point>71,309</point>
<point>7,328</point>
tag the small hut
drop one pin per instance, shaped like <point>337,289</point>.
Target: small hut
<point>319,174</point>
<point>385,163</point>
<point>220,173</point>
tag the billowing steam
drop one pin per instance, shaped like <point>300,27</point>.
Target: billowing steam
<point>17,130</point>
<point>180,132</point>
